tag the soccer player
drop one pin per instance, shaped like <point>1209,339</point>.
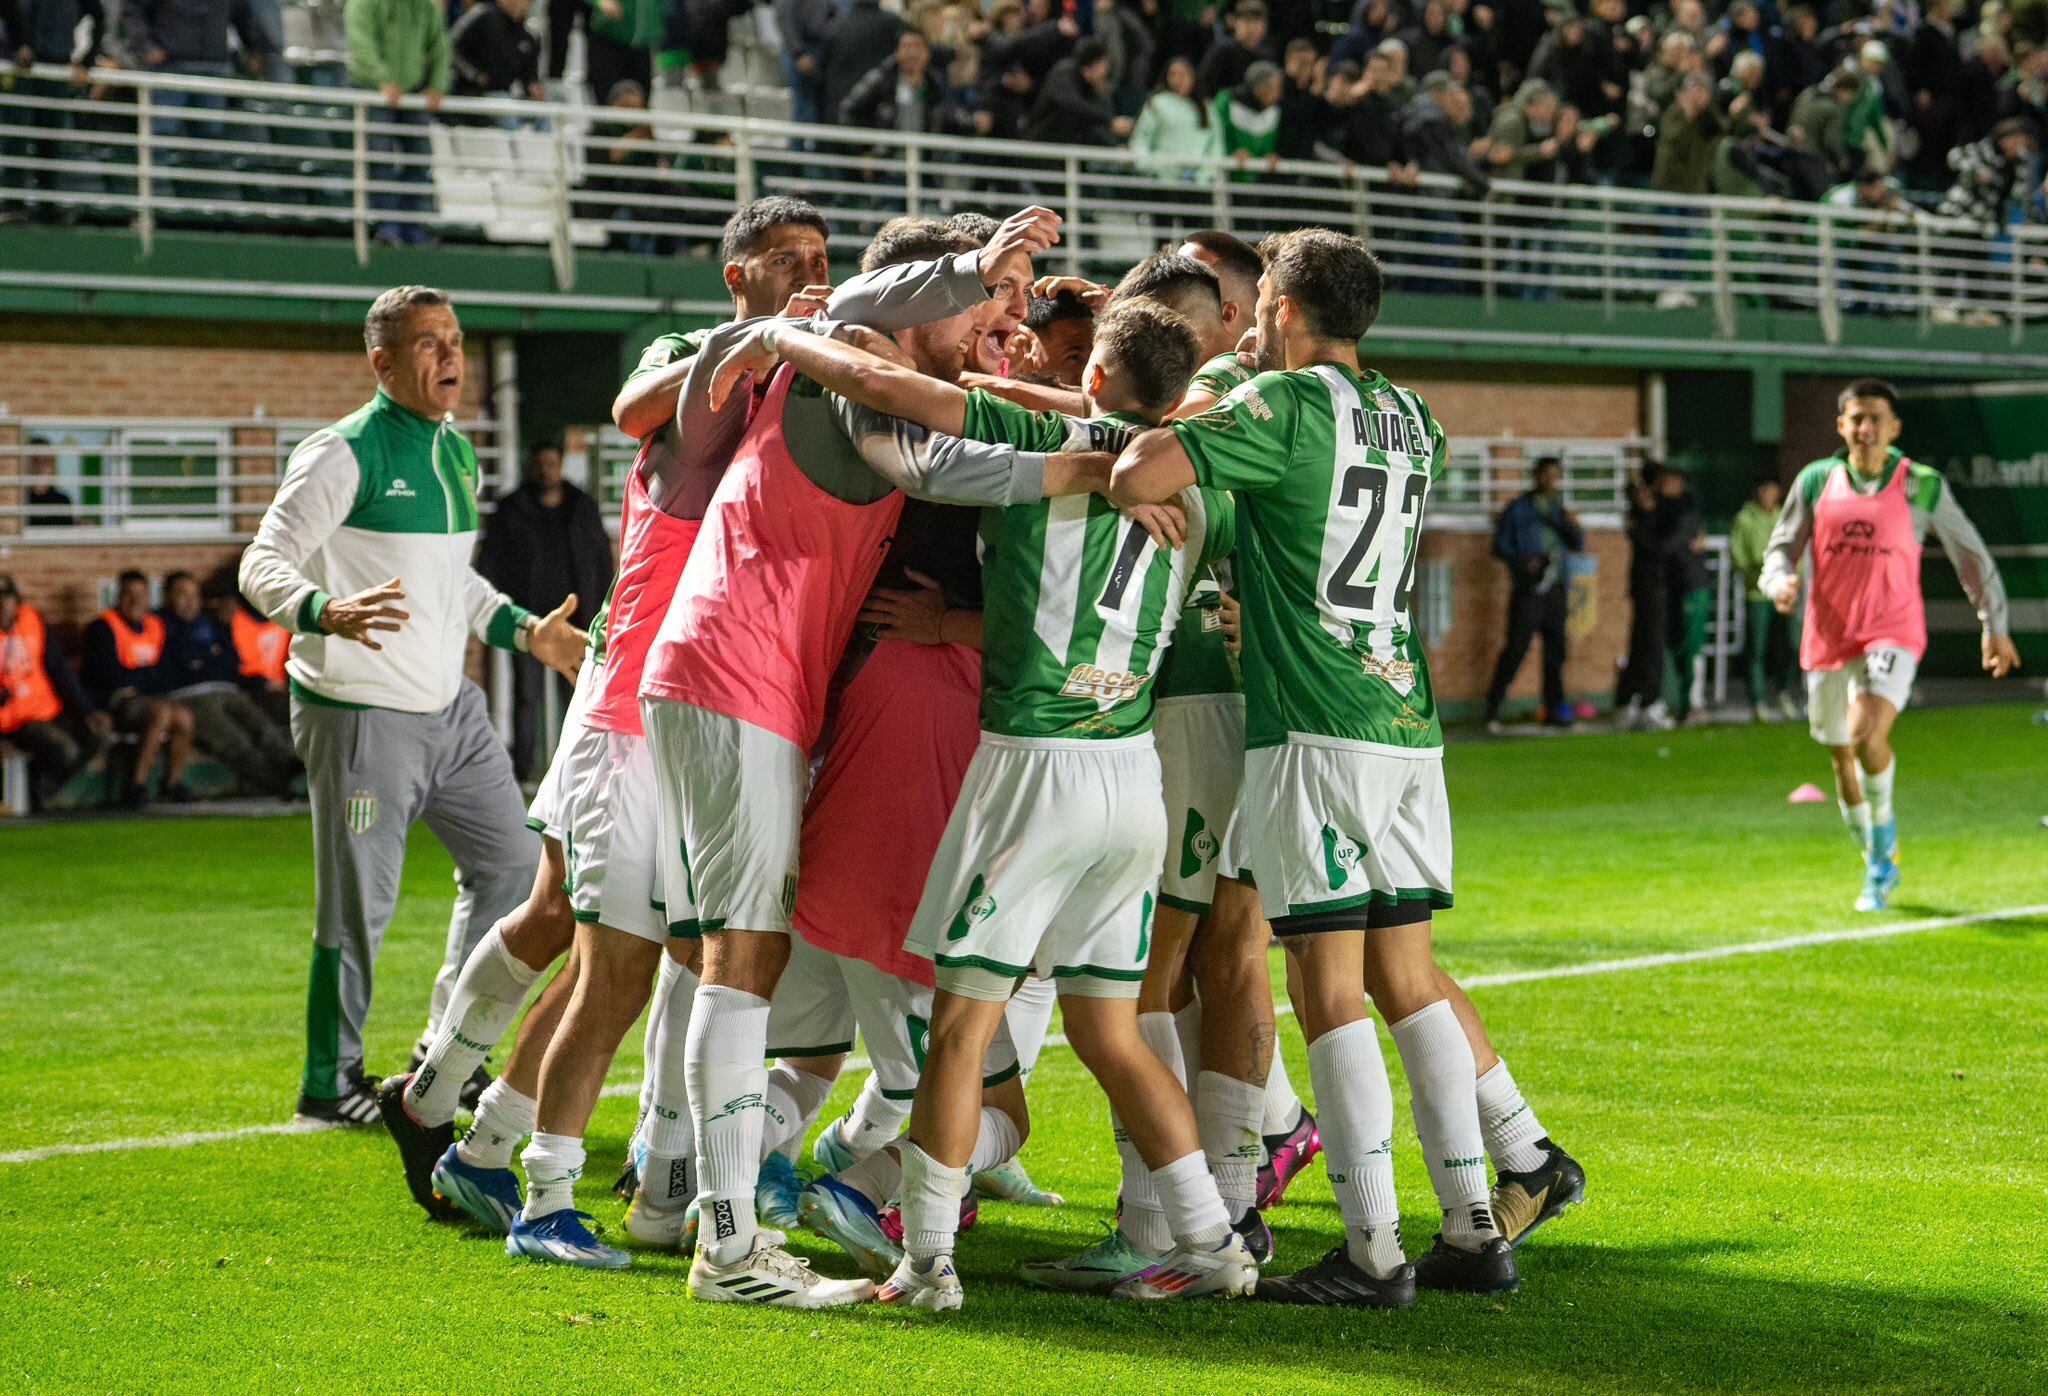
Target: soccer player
<point>1863,514</point>
<point>364,556</point>
<point>1343,803</point>
<point>735,689</point>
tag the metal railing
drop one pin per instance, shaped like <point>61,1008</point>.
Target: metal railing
<point>155,149</point>
<point>73,479</point>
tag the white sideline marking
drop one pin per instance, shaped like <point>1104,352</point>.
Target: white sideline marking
<point>1478,981</point>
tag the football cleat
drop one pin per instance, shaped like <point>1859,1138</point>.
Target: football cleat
<point>627,1184</point>
<point>490,1195</point>
<point>843,1215</point>
<point>1258,1237</point>
<point>1488,1270</point>
<point>356,1105</point>
<point>1879,882</point>
<point>771,1275</point>
<point>1188,1272</point>
<point>1102,1267</point>
<point>829,1153</point>
<point>671,1228</point>
<point>1286,1155</point>
<point>562,1237</point>
<point>1008,1182</point>
<point>419,1146</point>
<point>1337,1280</point>
<point>1521,1202</point>
<point>775,1192</point>
<point>935,1286</point>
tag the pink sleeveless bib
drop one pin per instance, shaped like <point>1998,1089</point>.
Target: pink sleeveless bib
<point>768,599</point>
<point>1866,573</point>
<point>653,548</point>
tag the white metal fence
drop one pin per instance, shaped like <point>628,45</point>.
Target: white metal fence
<point>153,149</point>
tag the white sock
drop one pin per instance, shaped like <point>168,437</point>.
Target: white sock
<point>875,1119</point>
<point>727,1081</point>
<point>931,1203</point>
<point>996,1142</point>
<point>1350,1079</point>
<point>1877,792</point>
<point>668,1175</point>
<point>1194,1209</point>
<point>487,996</point>
<point>1143,1221</point>
<point>1283,1106</point>
<point>1444,1097</point>
<point>1857,817</point>
<point>503,1118</point>
<point>1508,1124</point>
<point>1187,1026</point>
<point>794,1100</point>
<point>553,1163</point>
<point>878,1177</point>
<point>1227,1116</point>
<point>1029,1014</point>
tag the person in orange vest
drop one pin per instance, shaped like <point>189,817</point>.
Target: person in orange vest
<point>44,710</point>
<point>204,672</point>
<point>124,650</point>
<point>261,645</point>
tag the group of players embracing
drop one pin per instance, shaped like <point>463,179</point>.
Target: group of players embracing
<point>927,693</point>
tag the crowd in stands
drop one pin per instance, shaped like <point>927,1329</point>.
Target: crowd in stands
<point>1878,104</point>
<point>150,686</point>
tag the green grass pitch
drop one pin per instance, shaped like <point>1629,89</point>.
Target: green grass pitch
<point>1811,1169</point>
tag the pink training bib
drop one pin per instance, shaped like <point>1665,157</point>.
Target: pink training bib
<point>1866,573</point>
<point>653,548</point>
<point>769,596</point>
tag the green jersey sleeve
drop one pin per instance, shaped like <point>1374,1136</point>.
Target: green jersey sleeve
<point>1221,376</point>
<point>665,350</point>
<point>1219,538</point>
<point>1000,422</point>
<point>1245,441</point>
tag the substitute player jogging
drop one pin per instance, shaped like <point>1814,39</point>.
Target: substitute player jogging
<point>1863,513</point>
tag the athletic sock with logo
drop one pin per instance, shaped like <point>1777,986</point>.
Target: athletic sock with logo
<point>1514,1137</point>
<point>1444,1096</point>
<point>794,1100</point>
<point>875,1119</point>
<point>1877,792</point>
<point>1141,1219</point>
<point>728,1041</point>
<point>1029,1014</point>
<point>488,992</point>
<point>1857,817</point>
<point>1349,1076</point>
<point>503,1118</point>
<point>1283,1106</point>
<point>1227,1116</point>
<point>1195,1216</point>
<point>667,1177</point>
<point>930,1202</point>
<point>553,1163</point>
<point>1187,1026</point>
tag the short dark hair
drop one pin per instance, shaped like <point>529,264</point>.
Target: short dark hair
<point>753,221</point>
<point>2012,126</point>
<point>1334,280</point>
<point>130,575</point>
<point>1152,349</point>
<point>974,224</point>
<point>1238,257</point>
<point>1868,387</point>
<point>1248,9</point>
<point>914,239</point>
<point>1046,311</point>
<point>218,585</point>
<point>1176,281</point>
<point>1089,52</point>
<point>1544,463</point>
<point>171,579</point>
<point>387,313</point>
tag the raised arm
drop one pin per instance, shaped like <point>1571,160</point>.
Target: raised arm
<point>916,293</point>
<point>850,373</point>
<point>1152,469</point>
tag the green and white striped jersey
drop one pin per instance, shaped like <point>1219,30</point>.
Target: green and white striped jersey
<point>1198,664</point>
<point>1332,469</point>
<point>1221,375</point>
<point>1079,603</point>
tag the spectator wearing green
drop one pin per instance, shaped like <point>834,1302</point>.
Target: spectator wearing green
<point>1174,132</point>
<point>621,36</point>
<point>1248,120</point>
<point>400,47</point>
<point>1767,635</point>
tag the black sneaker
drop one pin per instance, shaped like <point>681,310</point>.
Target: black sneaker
<point>1524,1201</point>
<point>419,1146</point>
<point>628,1184</point>
<point>1258,1237</point>
<point>357,1105</point>
<point>1335,1279</point>
<point>177,793</point>
<point>1488,1270</point>
<point>473,1089</point>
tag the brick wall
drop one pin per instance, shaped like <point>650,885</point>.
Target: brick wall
<point>1525,399</point>
<point>144,380</point>
<point>1461,661</point>
<point>63,582</point>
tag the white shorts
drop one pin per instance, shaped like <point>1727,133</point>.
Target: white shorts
<point>1201,766</point>
<point>895,1017</point>
<point>544,815</point>
<point>1049,862</point>
<point>613,814</point>
<point>732,803</point>
<point>1344,838</point>
<point>1886,672</point>
<point>810,1014</point>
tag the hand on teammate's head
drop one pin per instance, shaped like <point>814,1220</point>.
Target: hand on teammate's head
<point>1019,238</point>
<point>808,301</point>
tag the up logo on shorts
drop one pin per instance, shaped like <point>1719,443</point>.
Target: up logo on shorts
<point>979,906</point>
<point>1198,845</point>
<point>1340,856</point>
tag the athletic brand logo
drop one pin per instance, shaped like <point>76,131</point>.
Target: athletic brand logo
<point>722,1224</point>
<point>423,1080</point>
<point>360,813</point>
<point>1198,846</point>
<point>1859,529</point>
<point>1340,856</point>
<point>1248,397</point>
<point>398,489</point>
<point>789,893</point>
<point>679,1178</point>
<point>1397,674</point>
<point>979,906</point>
<point>753,1100</point>
<point>1103,685</point>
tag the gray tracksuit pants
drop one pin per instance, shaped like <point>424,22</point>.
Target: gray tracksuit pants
<point>371,772</point>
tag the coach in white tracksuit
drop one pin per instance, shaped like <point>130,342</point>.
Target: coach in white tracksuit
<point>365,556</point>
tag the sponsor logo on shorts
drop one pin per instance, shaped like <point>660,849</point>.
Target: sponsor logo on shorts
<point>1144,928</point>
<point>1398,674</point>
<point>360,813</point>
<point>1103,685</point>
<point>1340,857</point>
<point>1198,845</point>
<point>979,906</point>
<point>789,893</point>
<point>919,1031</point>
